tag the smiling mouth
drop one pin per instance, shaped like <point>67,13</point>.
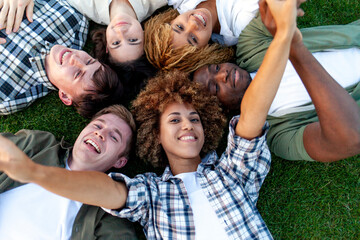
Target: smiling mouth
<point>200,18</point>
<point>94,145</point>
<point>187,138</point>
<point>63,56</point>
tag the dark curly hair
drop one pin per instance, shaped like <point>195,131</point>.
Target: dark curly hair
<point>161,91</point>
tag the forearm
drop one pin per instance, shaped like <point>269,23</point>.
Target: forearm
<point>261,92</point>
<point>90,187</point>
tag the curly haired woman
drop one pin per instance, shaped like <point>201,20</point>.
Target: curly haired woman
<point>173,40</point>
<point>199,194</point>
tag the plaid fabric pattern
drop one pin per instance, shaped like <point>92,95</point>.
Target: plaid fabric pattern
<point>230,183</point>
<point>22,58</point>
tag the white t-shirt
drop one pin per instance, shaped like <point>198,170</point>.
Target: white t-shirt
<point>342,65</point>
<point>204,215</point>
<point>234,16</point>
<point>32,213</point>
<point>98,10</point>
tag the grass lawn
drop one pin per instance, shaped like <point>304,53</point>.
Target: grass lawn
<point>299,200</point>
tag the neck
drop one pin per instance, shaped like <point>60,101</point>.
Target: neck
<point>211,6</point>
<point>178,166</point>
<point>119,7</point>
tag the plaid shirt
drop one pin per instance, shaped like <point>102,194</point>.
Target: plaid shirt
<point>22,58</point>
<point>231,184</point>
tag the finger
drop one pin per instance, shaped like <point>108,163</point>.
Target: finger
<point>300,12</point>
<point>10,18</point>
<point>3,14</point>
<point>2,40</point>
<point>30,11</point>
<point>18,19</point>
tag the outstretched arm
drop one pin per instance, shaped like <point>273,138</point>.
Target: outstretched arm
<point>261,92</point>
<point>94,188</point>
<point>337,134</point>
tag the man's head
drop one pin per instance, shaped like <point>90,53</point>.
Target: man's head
<point>82,80</point>
<point>105,142</point>
<point>226,81</point>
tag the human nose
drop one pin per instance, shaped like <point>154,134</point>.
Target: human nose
<point>222,76</point>
<point>192,25</point>
<point>187,125</point>
<point>100,134</point>
<point>76,61</point>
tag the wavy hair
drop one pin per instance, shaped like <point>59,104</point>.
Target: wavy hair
<point>164,89</point>
<point>160,52</point>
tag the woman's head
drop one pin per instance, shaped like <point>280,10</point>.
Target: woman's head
<point>123,40</point>
<point>163,91</point>
<point>161,53</point>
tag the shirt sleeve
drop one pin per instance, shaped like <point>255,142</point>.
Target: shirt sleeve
<point>137,202</point>
<point>249,160</point>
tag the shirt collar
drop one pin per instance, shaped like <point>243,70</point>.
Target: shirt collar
<point>38,65</point>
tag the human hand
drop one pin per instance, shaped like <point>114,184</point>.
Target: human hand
<point>269,22</point>
<point>14,162</point>
<point>2,40</point>
<point>12,12</point>
<point>280,14</point>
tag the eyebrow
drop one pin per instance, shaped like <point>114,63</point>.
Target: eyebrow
<point>178,114</point>
<point>115,129</point>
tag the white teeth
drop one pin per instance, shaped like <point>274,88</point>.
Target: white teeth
<point>89,141</point>
<point>63,57</point>
<point>187,138</point>
<point>198,16</point>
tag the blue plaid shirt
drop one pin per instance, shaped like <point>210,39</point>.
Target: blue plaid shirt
<point>231,184</point>
<point>22,58</point>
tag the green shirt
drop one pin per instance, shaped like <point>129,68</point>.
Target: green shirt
<point>91,222</point>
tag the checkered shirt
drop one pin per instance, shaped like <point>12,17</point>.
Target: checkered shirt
<point>231,184</point>
<point>22,58</point>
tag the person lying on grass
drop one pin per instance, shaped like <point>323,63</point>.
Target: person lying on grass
<point>180,126</point>
<point>312,117</point>
<point>27,211</point>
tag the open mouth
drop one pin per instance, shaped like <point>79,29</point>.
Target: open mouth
<point>200,18</point>
<point>62,57</point>
<point>187,138</point>
<point>94,145</point>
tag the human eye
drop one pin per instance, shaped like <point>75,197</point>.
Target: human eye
<point>217,68</point>
<point>114,138</point>
<point>90,61</point>
<point>77,74</point>
<point>97,126</point>
<point>174,120</point>
<point>180,27</point>
<point>193,38</point>
<point>132,40</point>
<point>116,43</point>
<point>195,120</point>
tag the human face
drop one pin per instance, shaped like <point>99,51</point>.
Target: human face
<point>101,144</point>
<point>181,132</point>
<point>70,71</point>
<point>193,27</point>
<point>226,81</point>
<point>125,38</point>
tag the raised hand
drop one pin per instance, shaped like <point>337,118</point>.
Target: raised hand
<point>12,12</point>
<point>14,162</point>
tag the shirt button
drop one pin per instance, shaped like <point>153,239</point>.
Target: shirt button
<point>76,229</point>
<point>34,47</point>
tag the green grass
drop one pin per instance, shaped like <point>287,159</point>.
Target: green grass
<point>299,200</point>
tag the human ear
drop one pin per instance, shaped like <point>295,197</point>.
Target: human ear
<point>65,98</point>
<point>120,162</point>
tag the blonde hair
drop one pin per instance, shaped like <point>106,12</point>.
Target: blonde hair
<point>160,52</point>
<point>164,89</point>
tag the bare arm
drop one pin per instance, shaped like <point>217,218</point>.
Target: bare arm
<point>336,135</point>
<point>261,92</point>
<point>94,188</point>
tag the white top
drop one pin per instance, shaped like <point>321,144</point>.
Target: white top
<point>98,10</point>
<point>184,5</point>
<point>234,16</point>
<point>32,213</point>
<point>204,215</point>
<point>342,65</point>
